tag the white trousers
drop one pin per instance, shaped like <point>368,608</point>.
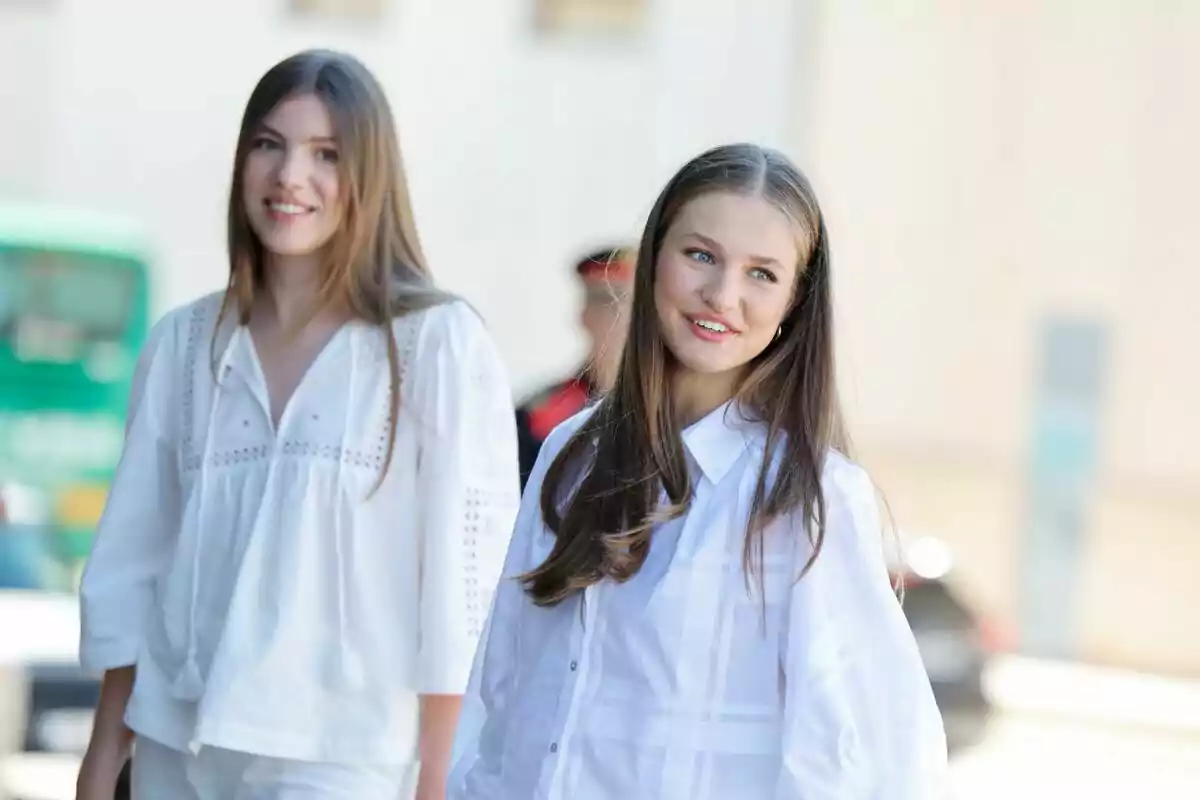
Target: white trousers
<point>162,773</point>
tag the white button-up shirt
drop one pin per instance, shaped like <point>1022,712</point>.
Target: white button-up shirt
<point>684,684</point>
<point>270,602</point>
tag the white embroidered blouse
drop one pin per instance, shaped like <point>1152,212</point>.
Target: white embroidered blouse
<point>270,602</point>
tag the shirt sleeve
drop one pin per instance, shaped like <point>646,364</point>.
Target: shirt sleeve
<point>860,718</point>
<point>468,487</point>
<point>493,673</point>
<point>136,533</point>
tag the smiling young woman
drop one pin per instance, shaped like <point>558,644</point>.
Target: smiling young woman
<point>317,489</point>
<point>695,603</point>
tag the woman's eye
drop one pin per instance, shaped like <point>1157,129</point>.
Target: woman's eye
<point>328,154</point>
<point>702,256</point>
<point>763,274</point>
<point>264,143</point>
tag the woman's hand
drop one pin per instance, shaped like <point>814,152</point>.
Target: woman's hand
<point>439,716</point>
<point>111,743</point>
<point>431,785</point>
<point>101,769</point>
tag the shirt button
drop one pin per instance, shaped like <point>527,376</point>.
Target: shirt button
<point>554,747</point>
<point>574,666</point>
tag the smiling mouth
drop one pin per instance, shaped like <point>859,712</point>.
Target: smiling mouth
<point>288,209</point>
<point>711,327</point>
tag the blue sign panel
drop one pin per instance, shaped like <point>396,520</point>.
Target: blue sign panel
<point>1072,370</point>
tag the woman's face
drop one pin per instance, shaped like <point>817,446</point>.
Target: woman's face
<point>724,282</point>
<point>291,181</point>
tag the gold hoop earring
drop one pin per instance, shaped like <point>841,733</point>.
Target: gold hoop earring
<point>778,332</point>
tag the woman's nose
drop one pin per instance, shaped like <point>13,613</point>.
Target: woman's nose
<point>292,169</point>
<point>722,290</point>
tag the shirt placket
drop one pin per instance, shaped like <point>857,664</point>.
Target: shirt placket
<point>557,779</point>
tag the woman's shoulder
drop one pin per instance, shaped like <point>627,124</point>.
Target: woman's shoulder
<point>852,505</point>
<point>446,350</point>
<point>840,473</point>
<point>840,469</point>
<point>561,433</point>
<point>554,443</point>
<point>845,480</point>
<point>203,309</point>
<point>445,325</point>
<point>438,321</point>
<point>183,325</point>
<point>426,328</point>
<point>847,488</point>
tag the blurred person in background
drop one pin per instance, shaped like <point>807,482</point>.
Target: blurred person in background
<point>606,277</point>
<point>696,602</point>
<point>317,488</point>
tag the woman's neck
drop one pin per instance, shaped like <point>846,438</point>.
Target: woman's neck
<point>696,395</point>
<point>292,291</point>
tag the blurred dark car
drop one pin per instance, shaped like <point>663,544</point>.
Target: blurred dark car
<point>48,732</point>
<point>955,643</point>
<point>60,704</point>
<point>47,736</point>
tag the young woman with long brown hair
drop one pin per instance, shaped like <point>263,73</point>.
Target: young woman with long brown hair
<point>695,603</point>
<point>317,488</point>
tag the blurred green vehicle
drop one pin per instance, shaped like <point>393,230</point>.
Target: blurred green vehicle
<point>74,313</point>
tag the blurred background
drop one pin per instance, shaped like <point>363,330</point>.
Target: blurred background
<point>1011,192</point>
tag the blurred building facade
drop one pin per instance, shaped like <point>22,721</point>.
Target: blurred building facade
<point>1008,186</point>
<point>134,105</point>
<point>1011,188</point>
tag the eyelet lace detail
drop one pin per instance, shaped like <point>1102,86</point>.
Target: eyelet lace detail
<point>198,323</point>
<point>370,456</point>
<point>480,522</point>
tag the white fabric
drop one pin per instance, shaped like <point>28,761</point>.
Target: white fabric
<point>161,773</point>
<point>681,685</point>
<point>270,604</point>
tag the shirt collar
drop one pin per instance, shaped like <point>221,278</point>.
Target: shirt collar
<point>718,439</point>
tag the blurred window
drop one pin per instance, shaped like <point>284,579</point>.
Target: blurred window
<point>71,299</point>
<point>349,9</point>
<point>590,15</point>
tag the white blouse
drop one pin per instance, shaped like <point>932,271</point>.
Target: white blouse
<point>271,604</point>
<point>681,684</point>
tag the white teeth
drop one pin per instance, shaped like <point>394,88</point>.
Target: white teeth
<point>288,208</point>
<point>709,325</point>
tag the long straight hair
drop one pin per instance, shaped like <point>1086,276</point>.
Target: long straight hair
<point>601,494</point>
<point>374,265</point>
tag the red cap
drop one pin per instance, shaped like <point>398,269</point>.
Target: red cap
<point>615,263</point>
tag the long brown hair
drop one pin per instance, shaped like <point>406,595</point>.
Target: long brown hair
<point>374,264</point>
<point>630,448</point>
